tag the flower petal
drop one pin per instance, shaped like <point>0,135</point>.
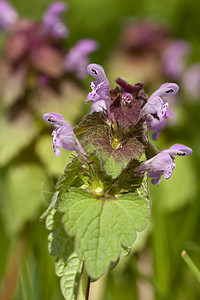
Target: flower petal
<point>97,72</point>
<point>179,150</point>
<point>100,87</point>
<point>98,106</point>
<point>163,163</point>
<point>167,89</point>
<point>63,135</point>
<point>54,119</point>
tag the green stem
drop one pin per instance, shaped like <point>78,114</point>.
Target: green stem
<point>84,286</point>
<point>191,265</point>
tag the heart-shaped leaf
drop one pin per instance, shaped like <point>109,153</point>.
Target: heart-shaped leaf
<point>101,226</point>
<point>67,266</point>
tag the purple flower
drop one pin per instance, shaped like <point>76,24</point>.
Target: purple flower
<point>63,135</point>
<point>174,58</point>
<point>100,87</point>
<point>127,99</point>
<point>157,104</point>
<point>52,20</point>
<point>191,81</point>
<point>8,15</point>
<point>156,125</point>
<point>163,163</point>
<point>98,106</point>
<point>77,58</point>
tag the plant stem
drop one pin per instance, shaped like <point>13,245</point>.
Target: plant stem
<point>191,265</point>
<point>88,288</point>
<point>84,286</point>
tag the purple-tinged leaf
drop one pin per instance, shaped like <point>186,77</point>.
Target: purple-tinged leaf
<point>114,155</point>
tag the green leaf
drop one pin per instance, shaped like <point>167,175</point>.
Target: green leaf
<point>114,161</point>
<point>101,226</point>
<point>71,172</point>
<point>91,120</point>
<point>67,264</point>
<point>51,206</point>
<point>128,181</point>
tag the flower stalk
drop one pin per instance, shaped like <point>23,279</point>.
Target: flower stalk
<point>84,285</point>
<point>187,259</point>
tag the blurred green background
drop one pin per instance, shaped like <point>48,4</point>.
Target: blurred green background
<point>155,269</point>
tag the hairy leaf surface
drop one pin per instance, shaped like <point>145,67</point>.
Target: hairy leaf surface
<point>101,226</point>
<point>71,173</point>
<point>114,160</point>
<point>67,266</point>
<point>89,121</point>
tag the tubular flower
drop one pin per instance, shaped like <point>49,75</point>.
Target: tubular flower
<point>8,15</point>
<point>156,109</point>
<point>63,135</point>
<point>100,87</point>
<point>52,20</point>
<point>77,58</point>
<point>157,104</point>
<point>163,163</point>
<point>156,125</point>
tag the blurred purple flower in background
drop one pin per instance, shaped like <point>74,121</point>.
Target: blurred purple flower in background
<point>191,81</point>
<point>77,59</point>
<point>52,20</point>
<point>150,49</point>
<point>163,163</point>
<point>144,36</point>
<point>8,16</point>
<point>174,58</point>
<point>34,55</point>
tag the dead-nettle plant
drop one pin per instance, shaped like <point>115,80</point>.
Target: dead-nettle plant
<point>102,198</point>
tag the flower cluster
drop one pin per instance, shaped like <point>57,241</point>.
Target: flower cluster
<point>116,130</point>
<point>34,54</point>
<point>149,47</point>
